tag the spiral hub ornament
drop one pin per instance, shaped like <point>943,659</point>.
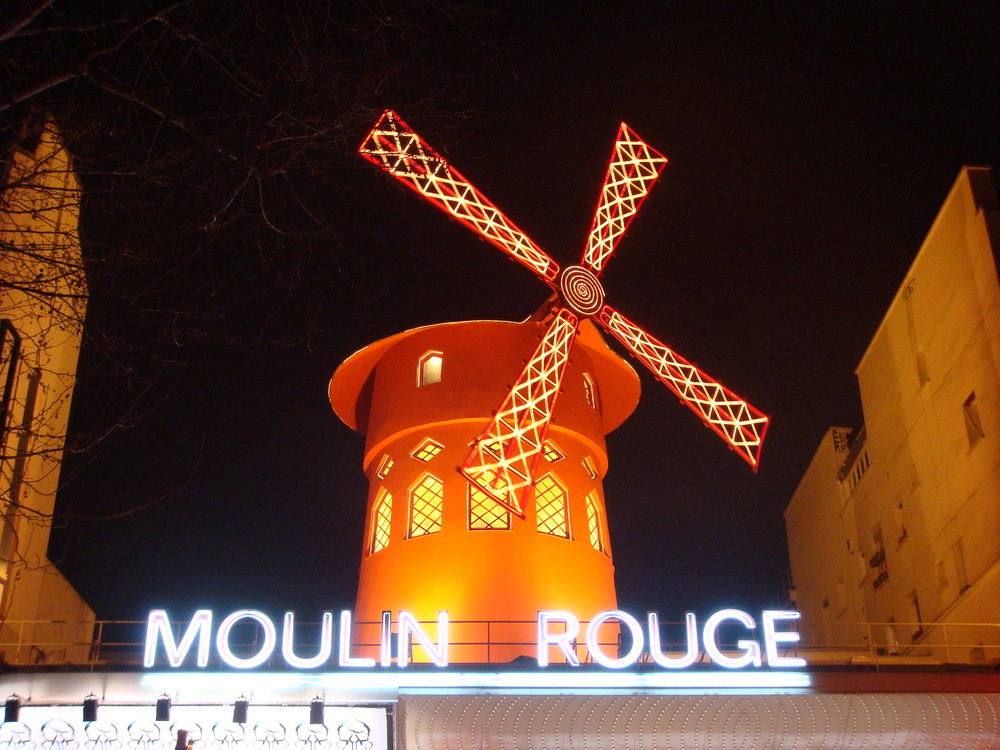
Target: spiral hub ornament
<point>581,291</point>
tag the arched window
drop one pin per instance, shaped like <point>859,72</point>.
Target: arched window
<point>381,522</point>
<point>594,526</point>
<point>429,369</point>
<point>551,515</point>
<point>426,503</point>
<point>485,512</point>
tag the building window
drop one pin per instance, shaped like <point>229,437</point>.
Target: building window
<point>426,450</point>
<point>429,369</point>
<point>551,515</point>
<point>858,470</point>
<point>10,347</point>
<point>958,556</point>
<point>426,504</point>
<point>551,453</point>
<point>901,533</point>
<point>973,423</point>
<point>384,467</point>
<point>594,526</point>
<point>381,522</point>
<point>878,560</point>
<point>915,603</point>
<point>588,466</point>
<point>942,576</point>
<point>485,512</point>
<point>590,391</point>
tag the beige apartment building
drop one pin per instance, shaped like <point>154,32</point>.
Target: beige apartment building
<point>43,299</point>
<point>894,530</point>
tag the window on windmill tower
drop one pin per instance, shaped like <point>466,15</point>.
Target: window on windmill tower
<point>551,452</point>
<point>381,522</point>
<point>485,512</point>
<point>385,466</point>
<point>594,526</point>
<point>429,369</point>
<point>426,505</point>
<point>426,450</point>
<point>551,515</point>
<point>590,391</point>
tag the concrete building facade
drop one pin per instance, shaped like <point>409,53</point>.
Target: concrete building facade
<point>894,530</point>
<point>42,308</point>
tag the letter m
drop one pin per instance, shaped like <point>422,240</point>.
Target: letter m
<point>159,627</point>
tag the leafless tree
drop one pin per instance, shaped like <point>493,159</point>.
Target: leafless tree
<point>215,142</point>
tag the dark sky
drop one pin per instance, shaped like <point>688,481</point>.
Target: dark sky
<point>809,151</point>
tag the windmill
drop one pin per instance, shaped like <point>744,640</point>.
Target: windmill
<point>503,459</point>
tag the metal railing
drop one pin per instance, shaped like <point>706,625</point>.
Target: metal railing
<point>120,644</point>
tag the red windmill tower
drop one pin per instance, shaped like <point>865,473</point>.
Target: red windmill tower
<point>430,395</point>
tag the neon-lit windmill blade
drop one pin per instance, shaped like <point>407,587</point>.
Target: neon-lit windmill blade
<point>403,154</point>
<point>503,459</point>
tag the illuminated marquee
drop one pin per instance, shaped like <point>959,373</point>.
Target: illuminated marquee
<point>556,629</point>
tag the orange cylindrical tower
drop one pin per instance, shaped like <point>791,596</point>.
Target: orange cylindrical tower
<point>435,542</point>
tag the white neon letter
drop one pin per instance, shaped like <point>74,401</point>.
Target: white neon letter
<point>408,625</point>
<point>773,638</point>
<point>266,648</point>
<point>346,660</point>
<point>594,646</point>
<point>385,645</point>
<point>655,651</point>
<point>752,648</point>
<point>562,640</point>
<point>288,640</point>
<point>159,625</point>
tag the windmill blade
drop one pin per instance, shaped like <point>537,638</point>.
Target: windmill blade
<point>503,459</point>
<point>394,147</point>
<point>633,169</point>
<point>737,422</point>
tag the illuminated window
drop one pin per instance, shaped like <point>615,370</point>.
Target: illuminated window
<point>973,424</point>
<point>590,391</point>
<point>588,466</point>
<point>427,450</point>
<point>429,369</point>
<point>381,522</point>
<point>426,501</point>
<point>551,453</point>
<point>485,512</point>
<point>550,507</point>
<point>385,466</point>
<point>594,522</point>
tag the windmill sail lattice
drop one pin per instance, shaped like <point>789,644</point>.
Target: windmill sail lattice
<point>503,459</point>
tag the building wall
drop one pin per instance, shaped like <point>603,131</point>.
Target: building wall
<point>43,306</point>
<point>919,494</point>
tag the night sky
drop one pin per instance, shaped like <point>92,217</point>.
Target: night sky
<point>809,149</point>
